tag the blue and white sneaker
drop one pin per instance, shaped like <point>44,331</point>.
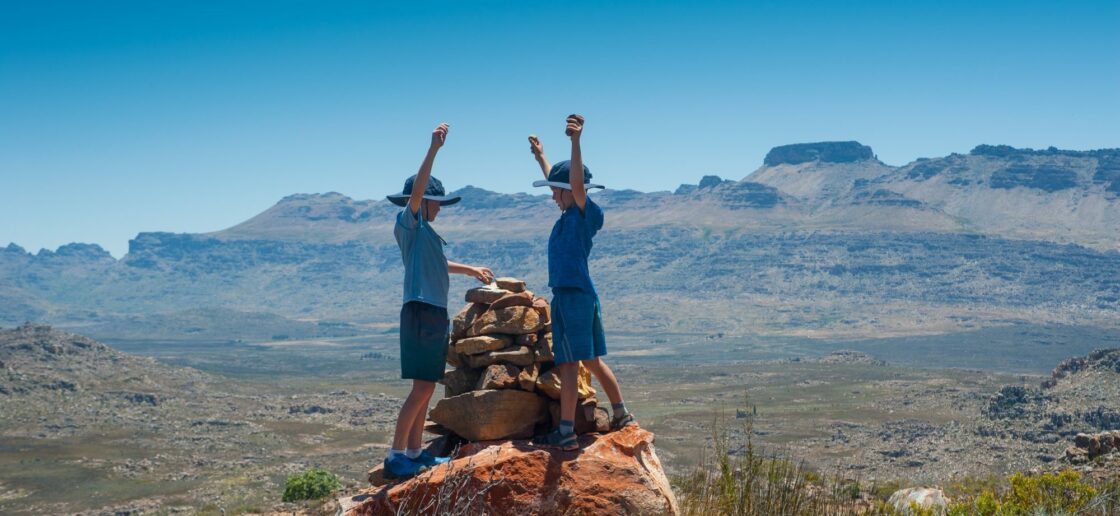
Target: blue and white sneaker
<point>429,460</point>
<point>401,468</point>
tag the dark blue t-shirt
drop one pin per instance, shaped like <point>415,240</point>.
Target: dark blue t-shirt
<point>569,246</point>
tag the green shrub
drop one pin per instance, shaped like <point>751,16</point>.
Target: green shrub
<point>310,485</point>
<point>1049,493</point>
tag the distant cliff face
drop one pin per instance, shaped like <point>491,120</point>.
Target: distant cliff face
<point>842,245</point>
<point>832,152</point>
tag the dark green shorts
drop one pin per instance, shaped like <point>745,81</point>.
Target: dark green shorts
<point>423,341</point>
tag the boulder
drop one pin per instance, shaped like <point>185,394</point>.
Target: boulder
<point>510,284</point>
<point>589,416</point>
<point>549,383</point>
<point>929,500</point>
<point>515,320</point>
<point>498,376</point>
<point>491,414</point>
<point>518,299</point>
<point>465,318</point>
<point>459,381</point>
<point>527,379</point>
<point>485,295</point>
<point>517,355</point>
<point>482,344</point>
<point>616,473</point>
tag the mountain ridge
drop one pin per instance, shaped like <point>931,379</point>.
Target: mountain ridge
<point>815,247</point>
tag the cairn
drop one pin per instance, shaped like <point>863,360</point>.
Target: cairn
<point>504,384</point>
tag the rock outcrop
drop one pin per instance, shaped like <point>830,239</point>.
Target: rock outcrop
<point>615,473</point>
<point>1087,447</point>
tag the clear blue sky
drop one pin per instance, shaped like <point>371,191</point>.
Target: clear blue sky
<point>121,117</point>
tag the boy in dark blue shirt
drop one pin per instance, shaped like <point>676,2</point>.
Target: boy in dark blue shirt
<point>577,326</point>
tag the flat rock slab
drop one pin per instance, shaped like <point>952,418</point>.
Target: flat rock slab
<point>514,320</point>
<point>518,299</point>
<point>520,356</point>
<point>485,295</point>
<point>482,344</point>
<point>491,414</point>
<point>510,284</point>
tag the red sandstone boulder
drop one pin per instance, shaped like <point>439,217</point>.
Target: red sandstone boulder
<point>615,473</point>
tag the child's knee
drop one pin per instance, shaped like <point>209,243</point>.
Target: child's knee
<point>423,387</point>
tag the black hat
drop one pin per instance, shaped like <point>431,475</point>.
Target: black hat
<point>434,192</point>
<point>560,174</point>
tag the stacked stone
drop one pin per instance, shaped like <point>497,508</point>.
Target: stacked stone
<point>504,384</point>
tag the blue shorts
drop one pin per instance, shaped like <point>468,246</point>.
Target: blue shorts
<point>577,326</point>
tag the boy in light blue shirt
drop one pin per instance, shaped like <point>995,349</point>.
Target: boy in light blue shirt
<point>424,319</point>
<point>577,326</point>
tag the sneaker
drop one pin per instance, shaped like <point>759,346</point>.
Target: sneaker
<point>401,468</point>
<point>620,422</point>
<point>429,460</point>
<point>555,439</point>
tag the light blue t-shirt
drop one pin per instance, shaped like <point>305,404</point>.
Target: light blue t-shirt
<point>425,266</point>
<point>569,246</point>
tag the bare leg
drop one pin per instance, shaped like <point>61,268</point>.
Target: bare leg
<point>606,379</point>
<point>569,390</point>
<point>416,435</point>
<point>415,407</point>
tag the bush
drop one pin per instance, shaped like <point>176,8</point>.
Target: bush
<point>312,484</point>
<point>1048,493</point>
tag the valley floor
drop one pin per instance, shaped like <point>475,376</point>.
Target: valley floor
<point>907,409</point>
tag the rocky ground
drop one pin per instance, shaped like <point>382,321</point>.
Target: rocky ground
<point>135,434</point>
<point>1018,428</point>
<point>128,433</point>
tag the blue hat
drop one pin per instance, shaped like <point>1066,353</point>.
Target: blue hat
<point>434,192</point>
<point>558,177</point>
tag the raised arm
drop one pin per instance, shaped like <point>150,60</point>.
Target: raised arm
<point>579,191</point>
<point>538,153</point>
<point>416,197</point>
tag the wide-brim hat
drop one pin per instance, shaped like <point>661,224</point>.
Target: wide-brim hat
<point>559,176</point>
<point>434,192</point>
